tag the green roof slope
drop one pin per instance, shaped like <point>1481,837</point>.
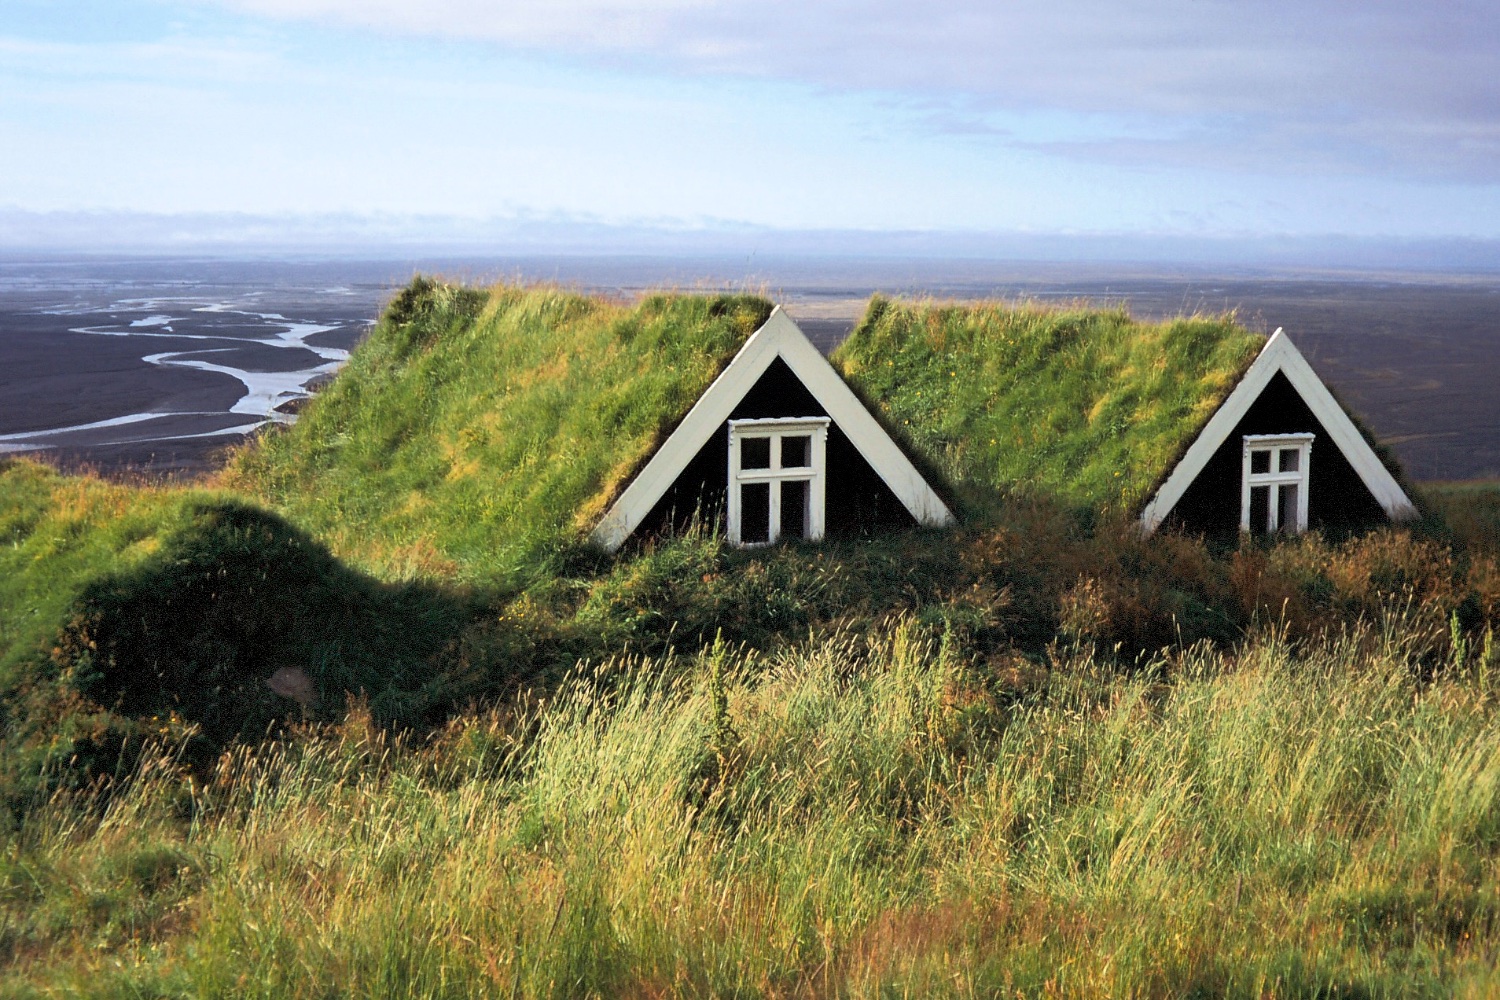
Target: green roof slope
<point>1086,404</point>
<point>476,432</point>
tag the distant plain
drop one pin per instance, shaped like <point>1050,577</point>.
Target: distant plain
<point>154,365</point>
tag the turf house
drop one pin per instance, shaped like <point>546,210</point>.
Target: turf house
<point>783,448</point>
<point>1279,455</point>
<point>1195,424</point>
<point>528,420</point>
<point>375,711</point>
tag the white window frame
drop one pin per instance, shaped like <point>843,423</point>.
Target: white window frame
<point>1275,479</point>
<point>814,473</point>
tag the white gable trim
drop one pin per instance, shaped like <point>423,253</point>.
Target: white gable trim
<point>779,337</point>
<point>1279,355</point>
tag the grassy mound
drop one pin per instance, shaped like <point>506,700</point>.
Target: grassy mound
<point>59,532</point>
<point>477,435</point>
<point>1086,405</point>
<point>127,610</point>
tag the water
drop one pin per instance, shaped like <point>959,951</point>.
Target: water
<point>156,365</point>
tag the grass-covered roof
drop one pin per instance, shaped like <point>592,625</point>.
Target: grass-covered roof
<point>476,431</point>
<point>1088,405</point>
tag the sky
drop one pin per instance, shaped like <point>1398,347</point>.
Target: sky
<point>1214,119</point>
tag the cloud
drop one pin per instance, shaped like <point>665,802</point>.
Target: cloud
<point>1359,86</point>
<point>590,25</point>
<point>198,60</point>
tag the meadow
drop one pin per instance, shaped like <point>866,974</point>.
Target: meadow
<point>1034,754</point>
<point>855,816</point>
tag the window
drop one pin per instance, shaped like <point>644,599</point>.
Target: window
<point>776,479</point>
<point>1273,485</point>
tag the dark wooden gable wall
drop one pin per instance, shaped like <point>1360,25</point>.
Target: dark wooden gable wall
<point>858,500</point>
<point>1337,499</point>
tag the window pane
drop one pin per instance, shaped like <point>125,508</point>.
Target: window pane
<point>1260,461</point>
<point>1289,458</point>
<point>796,451</point>
<point>1287,509</point>
<point>755,453</point>
<point>794,509</point>
<point>1260,508</point>
<point>755,513</point>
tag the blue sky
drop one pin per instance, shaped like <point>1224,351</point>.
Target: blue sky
<point>1168,117</point>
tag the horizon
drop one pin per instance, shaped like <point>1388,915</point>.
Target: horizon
<point>103,236</point>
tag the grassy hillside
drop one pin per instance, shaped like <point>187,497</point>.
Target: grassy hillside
<point>129,611</point>
<point>416,537</point>
<point>867,816</point>
<point>1086,405</point>
<point>476,435</point>
<point>1036,753</point>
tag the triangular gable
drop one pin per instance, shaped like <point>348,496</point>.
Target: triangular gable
<point>780,338</point>
<point>1280,355</point>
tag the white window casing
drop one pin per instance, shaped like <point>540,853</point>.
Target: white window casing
<point>1278,464</point>
<point>784,441</point>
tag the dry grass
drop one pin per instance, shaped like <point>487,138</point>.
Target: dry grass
<point>873,818</point>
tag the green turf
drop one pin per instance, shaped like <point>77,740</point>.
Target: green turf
<point>1088,405</point>
<point>476,435</point>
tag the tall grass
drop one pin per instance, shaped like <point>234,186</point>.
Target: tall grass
<point>862,816</point>
<point>1470,510</point>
